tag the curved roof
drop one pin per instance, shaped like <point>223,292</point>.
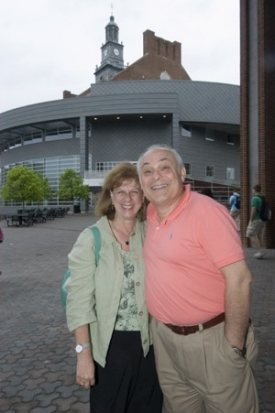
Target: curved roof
<point>206,103</point>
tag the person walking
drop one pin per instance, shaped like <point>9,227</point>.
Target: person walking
<point>207,192</point>
<point>235,207</point>
<point>106,306</point>
<point>256,227</point>
<point>197,289</point>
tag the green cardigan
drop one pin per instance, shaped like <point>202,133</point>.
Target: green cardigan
<point>94,292</point>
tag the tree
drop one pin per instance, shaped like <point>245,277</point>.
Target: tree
<point>40,189</point>
<point>24,185</point>
<point>71,186</point>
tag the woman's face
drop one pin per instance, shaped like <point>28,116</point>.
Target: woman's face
<point>127,199</point>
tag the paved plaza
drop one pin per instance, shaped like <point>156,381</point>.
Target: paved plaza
<point>37,358</point>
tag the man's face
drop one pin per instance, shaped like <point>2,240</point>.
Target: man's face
<point>161,179</point>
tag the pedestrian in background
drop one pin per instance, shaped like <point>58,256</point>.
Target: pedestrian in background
<point>256,227</point>
<point>235,207</point>
<point>207,192</point>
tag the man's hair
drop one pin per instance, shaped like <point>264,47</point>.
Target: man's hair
<point>163,147</point>
<point>122,172</point>
<point>257,188</point>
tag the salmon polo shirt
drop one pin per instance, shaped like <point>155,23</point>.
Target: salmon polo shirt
<point>183,256</point>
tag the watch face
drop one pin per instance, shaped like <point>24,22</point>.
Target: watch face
<point>116,52</point>
<point>79,348</point>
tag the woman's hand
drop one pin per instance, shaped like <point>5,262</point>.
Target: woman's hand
<point>85,369</point>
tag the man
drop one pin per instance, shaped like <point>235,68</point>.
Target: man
<point>198,292</point>
<point>256,227</point>
<point>234,202</point>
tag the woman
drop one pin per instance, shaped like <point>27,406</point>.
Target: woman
<point>106,307</point>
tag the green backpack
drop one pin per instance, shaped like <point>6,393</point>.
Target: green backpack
<point>67,274</point>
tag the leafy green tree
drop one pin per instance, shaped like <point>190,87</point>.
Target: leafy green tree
<point>24,185</point>
<point>40,189</point>
<point>71,186</point>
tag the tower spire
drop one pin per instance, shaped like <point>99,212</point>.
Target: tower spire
<point>111,53</point>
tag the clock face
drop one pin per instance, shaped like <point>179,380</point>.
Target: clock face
<point>116,52</point>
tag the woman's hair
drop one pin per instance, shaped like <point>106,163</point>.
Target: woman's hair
<point>120,173</point>
<point>162,148</point>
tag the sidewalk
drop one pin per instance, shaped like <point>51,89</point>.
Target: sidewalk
<point>37,358</point>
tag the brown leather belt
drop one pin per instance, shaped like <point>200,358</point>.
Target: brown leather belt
<point>185,330</point>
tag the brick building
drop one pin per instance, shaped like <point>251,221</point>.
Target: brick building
<point>161,60</point>
<point>257,126</point>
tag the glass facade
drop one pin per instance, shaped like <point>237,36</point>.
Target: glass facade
<point>50,168</point>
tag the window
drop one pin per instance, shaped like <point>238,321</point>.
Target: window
<point>59,133</point>
<point>209,135</point>
<point>107,166</point>
<point>186,131</point>
<point>230,173</point>
<point>210,171</point>
<point>230,140</point>
<point>15,143</point>
<point>32,138</point>
<point>188,168</point>
<point>165,76</point>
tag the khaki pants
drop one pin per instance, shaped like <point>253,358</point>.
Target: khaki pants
<point>201,373</point>
<point>236,216</point>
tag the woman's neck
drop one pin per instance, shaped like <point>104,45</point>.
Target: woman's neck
<point>122,231</point>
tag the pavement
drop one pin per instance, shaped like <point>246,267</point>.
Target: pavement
<point>37,358</point>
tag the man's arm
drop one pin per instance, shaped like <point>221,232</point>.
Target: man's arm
<point>237,302</point>
<point>253,213</point>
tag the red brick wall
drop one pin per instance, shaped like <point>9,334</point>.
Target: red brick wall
<point>159,55</point>
<point>158,46</point>
<point>266,90</point>
<point>150,67</point>
<point>266,104</point>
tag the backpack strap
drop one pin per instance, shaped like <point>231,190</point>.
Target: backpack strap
<point>97,238</point>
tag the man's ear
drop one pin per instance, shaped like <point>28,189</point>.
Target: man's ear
<point>183,174</point>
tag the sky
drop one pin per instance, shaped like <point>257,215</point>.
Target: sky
<point>48,46</point>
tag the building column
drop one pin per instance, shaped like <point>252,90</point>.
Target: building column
<point>84,154</point>
<point>175,132</point>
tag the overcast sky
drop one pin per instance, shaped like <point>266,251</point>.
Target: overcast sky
<point>48,46</point>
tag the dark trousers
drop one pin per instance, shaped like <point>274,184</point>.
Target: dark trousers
<point>128,383</point>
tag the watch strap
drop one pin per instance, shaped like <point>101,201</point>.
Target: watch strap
<point>85,345</point>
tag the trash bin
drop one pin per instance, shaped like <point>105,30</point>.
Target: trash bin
<point>76,209</point>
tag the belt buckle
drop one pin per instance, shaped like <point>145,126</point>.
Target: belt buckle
<point>180,330</point>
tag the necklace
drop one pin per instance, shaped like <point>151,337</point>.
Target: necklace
<point>120,234</point>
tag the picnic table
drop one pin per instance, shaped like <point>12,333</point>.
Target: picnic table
<point>19,219</point>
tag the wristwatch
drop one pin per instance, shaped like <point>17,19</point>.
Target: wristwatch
<point>80,347</point>
<point>240,352</point>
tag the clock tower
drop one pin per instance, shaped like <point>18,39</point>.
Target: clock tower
<point>111,54</point>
